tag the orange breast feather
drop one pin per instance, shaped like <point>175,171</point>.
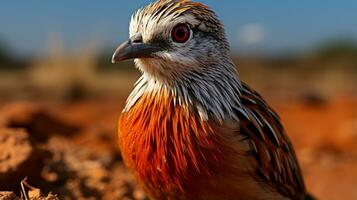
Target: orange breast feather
<point>171,150</point>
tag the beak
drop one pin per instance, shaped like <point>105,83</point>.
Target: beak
<point>134,48</point>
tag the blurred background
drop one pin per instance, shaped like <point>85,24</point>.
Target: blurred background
<point>60,96</point>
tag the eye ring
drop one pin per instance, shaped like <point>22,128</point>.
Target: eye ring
<point>181,33</point>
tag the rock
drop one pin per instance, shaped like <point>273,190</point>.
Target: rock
<point>8,196</point>
<point>48,197</point>
<point>12,196</point>
<point>32,193</point>
<point>18,158</point>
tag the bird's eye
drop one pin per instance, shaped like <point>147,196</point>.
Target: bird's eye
<point>181,33</point>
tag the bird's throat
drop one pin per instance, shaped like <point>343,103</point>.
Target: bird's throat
<point>168,146</point>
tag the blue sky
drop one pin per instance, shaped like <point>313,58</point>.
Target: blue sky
<point>252,26</point>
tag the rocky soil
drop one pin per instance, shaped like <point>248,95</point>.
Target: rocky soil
<point>69,150</point>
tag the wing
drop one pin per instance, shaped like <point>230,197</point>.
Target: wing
<point>278,167</point>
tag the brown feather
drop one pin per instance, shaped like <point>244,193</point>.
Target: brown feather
<point>277,163</point>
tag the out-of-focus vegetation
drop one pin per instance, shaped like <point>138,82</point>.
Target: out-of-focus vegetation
<point>8,61</point>
<point>61,74</point>
<point>338,50</point>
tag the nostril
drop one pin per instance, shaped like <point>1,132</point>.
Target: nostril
<point>138,38</point>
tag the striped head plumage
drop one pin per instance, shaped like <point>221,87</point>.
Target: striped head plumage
<point>190,128</point>
<point>183,35</point>
<point>181,46</point>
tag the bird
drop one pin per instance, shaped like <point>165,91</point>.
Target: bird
<point>191,129</point>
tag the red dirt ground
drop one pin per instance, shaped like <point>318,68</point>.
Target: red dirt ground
<point>81,158</point>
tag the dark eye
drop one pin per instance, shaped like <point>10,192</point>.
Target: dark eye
<point>181,33</point>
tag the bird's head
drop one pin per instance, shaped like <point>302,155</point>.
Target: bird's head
<point>170,39</point>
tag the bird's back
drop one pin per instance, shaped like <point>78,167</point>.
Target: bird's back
<point>277,165</point>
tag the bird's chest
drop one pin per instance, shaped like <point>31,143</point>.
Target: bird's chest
<point>172,151</point>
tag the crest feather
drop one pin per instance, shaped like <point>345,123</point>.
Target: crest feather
<point>176,8</point>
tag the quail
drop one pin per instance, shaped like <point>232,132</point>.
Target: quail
<point>191,129</point>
